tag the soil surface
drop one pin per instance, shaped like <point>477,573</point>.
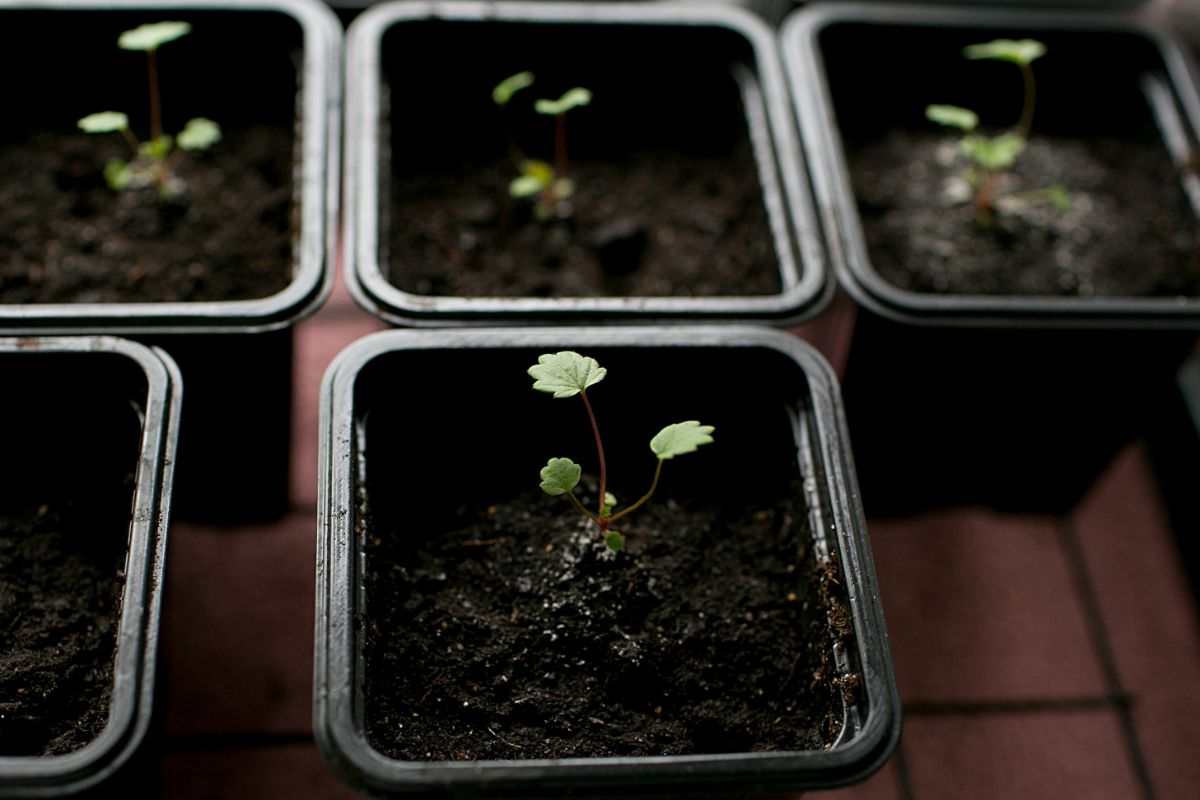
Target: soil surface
<point>60,592</point>
<point>1129,231</point>
<point>65,237</point>
<point>518,635</point>
<point>652,225</point>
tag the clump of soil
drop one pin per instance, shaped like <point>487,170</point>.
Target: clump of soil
<point>650,225</point>
<point>60,593</point>
<point>517,635</point>
<point>67,238</point>
<point>1130,231</point>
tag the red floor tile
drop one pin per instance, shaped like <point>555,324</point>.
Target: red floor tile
<point>238,628</point>
<point>1149,617</point>
<point>1044,756</point>
<point>251,774</point>
<point>981,607</point>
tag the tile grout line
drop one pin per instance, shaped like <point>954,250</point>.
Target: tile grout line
<point>1030,706</point>
<point>903,776</point>
<point>1086,591</point>
<point>185,743</point>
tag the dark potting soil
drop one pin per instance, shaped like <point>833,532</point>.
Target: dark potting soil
<point>60,591</point>
<point>651,225</point>
<point>1130,231</point>
<point>517,635</point>
<point>65,237</point>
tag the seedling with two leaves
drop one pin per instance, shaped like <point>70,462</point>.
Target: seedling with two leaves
<point>992,156</point>
<point>547,183</point>
<point>154,160</point>
<point>566,374</point>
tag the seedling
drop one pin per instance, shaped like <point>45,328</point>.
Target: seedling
<point>153,161</point>
<point>566,374</point>
<point>546,182</point>
<point>992,156</point>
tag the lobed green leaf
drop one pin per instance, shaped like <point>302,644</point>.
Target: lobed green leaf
<point>964,119</point>
<point>1018,51</point>
<point>506,88</point>
<point>572,98</point>
<point>993,153</point>
<point>559,476</point>
<point>680,438</point>
<point>151,36</point>
<point>199,134</point>
<point>565,373</point>
<point>104,122</point>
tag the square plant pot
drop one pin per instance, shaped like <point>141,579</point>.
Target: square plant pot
<point>90,432</point>
<point>734,646</point>
<point>689,201</point>
<point>217,266</point>
<point>1001,360</point>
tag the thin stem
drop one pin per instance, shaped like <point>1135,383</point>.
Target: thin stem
<point>586,513</point>
<point>599,449</point>
<point>644,498</point>
<point>156,128</point>
<point>1026,123</point>
<point>134,144</point>
<point>560,146</point>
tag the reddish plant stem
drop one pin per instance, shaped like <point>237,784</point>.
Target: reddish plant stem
<point>156,128</point>
<point>644,498</point>
<point>600,452</point>
<point>560,146</point>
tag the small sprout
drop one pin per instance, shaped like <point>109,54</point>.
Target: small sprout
<point>153,35</point>
<point>104,122</point>
<point>566,374</point>
<point>992,156</point>
<point>153,160</point>
<point>546,183</point>
<point>505,90</point>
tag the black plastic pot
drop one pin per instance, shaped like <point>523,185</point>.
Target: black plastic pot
<point>391,423</point>
<point>91,423</point>
<point>662,75</point>
<point>1014,401</point>
<point>273,62</point>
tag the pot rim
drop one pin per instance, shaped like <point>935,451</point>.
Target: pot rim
<point>795,229</point>
<point>317,186</point>
<point>799,37</point>
<point>337,723</point>
<point>130,706</point>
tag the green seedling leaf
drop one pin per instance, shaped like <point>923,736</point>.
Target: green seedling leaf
<point>993,153</point>
<point>151,36</point>
<point>964,119</point>
<point>525,186</point>
<point>117,174</point>
<point>104,122</point>
<point>565,373</point>
<point>198,134</point>
<point>156,149</point>
<point>614,540</point>
<point>610,502</point>
<point>506,88</point>
<point>572,98</point>
<point>680,438</point>
<point>559,476</point>
<point>1018,51</point>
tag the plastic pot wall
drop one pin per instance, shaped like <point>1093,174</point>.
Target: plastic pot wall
<point>82,414</point>
<point>370,408</point>
<point>1013,401</point>
<point>672,72</point>
<point>264,62</point>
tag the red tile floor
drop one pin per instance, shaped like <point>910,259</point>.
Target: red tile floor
<point>1037,656</point>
